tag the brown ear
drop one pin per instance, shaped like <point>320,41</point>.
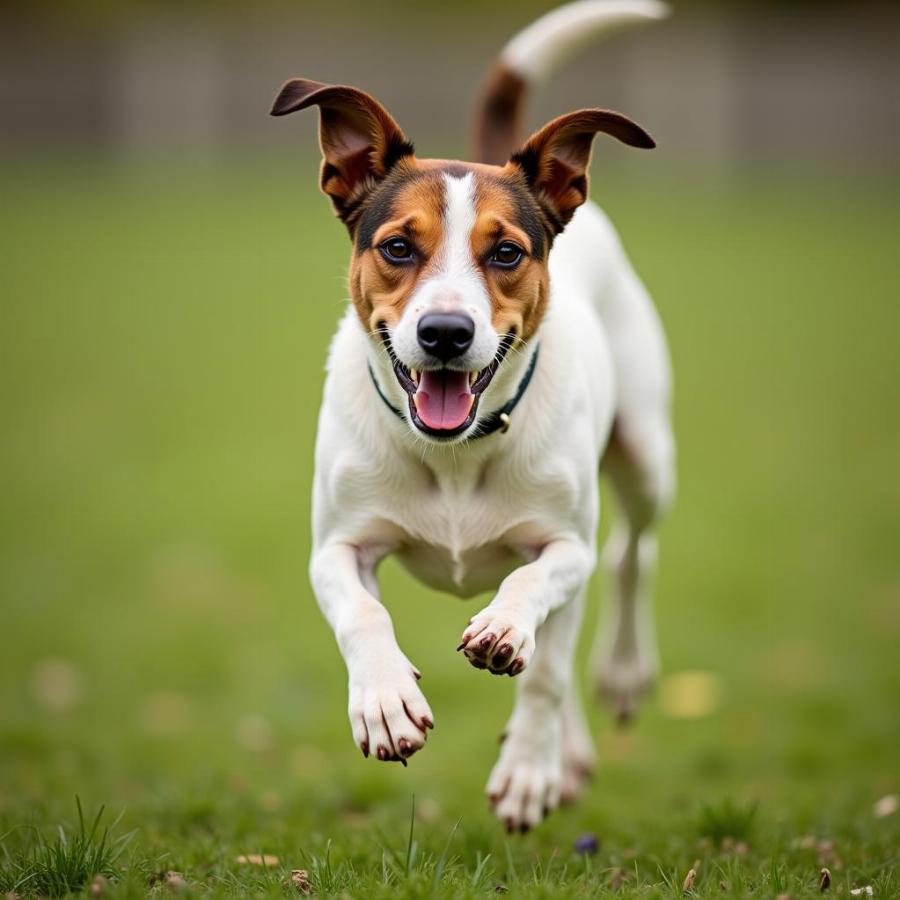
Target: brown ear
<point>359,139</point>
<point>555,159</point>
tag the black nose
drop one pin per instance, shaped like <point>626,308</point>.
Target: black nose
<point>446,335</point>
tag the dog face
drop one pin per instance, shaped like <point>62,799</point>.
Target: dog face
<point>449,265</point>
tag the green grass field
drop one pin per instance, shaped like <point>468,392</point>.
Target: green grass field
<point>162,340</point>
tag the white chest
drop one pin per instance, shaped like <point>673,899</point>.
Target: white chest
<point>467,530</point>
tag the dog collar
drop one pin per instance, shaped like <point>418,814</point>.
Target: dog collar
<point>499,420</point>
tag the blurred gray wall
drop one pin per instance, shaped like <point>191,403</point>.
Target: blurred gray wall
<point>717,86</point>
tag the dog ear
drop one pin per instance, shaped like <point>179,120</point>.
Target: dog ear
<point>360,141</point>
<point>555,159</point>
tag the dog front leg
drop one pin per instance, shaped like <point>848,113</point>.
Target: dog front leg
<point>389,715</point>
<point>501,638</point>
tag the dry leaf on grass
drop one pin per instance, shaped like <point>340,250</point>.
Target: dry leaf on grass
<point>257,859</point>
<point>300,881</point>
<point>690,695</point>
<point>824,880</point>
<point>866,891</point>
<point>173,880</point>
<point>886,806</point>
<point>688,883</point>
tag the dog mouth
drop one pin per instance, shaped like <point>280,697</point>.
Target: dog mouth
<point>444,402</point>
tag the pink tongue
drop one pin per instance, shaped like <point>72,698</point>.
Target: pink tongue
<point>443,399</point>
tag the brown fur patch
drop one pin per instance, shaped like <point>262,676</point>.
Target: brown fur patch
<point>379,290</point>
<point>519,295</point>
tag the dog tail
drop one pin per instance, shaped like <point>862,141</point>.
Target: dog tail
<point>532,56</point>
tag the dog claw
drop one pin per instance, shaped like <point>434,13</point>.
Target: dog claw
<point>382,753</point>
<point>365,750</point>
<point>460,647</point>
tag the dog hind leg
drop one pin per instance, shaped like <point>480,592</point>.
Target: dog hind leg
<point>640,463</point>
<point>528,780</point>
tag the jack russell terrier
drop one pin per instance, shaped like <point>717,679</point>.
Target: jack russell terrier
<point>498,353</point>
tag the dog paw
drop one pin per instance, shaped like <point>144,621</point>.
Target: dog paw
<point>623,684</point>
<point>389,715</point>
<point>497,643</point>
<point>526,782</point>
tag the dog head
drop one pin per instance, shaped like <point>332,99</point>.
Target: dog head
<point>449,265</point>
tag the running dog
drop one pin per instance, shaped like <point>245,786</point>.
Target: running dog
<point>499,351</point>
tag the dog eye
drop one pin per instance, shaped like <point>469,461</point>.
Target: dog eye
<point>396,250</point>
<point>507,255</point>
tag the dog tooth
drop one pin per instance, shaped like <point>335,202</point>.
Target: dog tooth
<point>415,375</point>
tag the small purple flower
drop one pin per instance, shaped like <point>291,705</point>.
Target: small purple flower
<point>587,843</point>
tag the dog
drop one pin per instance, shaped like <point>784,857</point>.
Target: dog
<point>499,352</point>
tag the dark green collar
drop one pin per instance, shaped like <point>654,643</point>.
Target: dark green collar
<point>499,420</point>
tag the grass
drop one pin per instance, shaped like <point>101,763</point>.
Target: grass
<point>67,863</point>
<point>162,340</point>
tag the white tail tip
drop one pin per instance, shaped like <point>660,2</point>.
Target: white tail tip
<point>537,50</point>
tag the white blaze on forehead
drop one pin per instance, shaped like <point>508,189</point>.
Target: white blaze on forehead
<point>459,220</point>
<point>457,282</point>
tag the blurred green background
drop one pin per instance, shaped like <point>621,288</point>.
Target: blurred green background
<point>166,302</point>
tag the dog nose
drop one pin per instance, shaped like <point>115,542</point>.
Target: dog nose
<point>446,335</point>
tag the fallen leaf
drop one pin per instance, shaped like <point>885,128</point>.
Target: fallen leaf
<point>866,891</point>
<point>300,881</point>
<point>690,695</point>
<point>886,806</point>
<point>688,883</point>
<point>257,859</point>
<point>824,880</point>
<point>173,880</point>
